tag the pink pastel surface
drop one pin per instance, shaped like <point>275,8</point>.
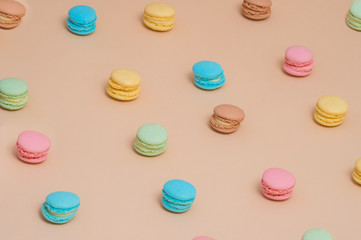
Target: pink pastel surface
<point>32,146</point>
<point>277,183</point>
<point>202,238</point>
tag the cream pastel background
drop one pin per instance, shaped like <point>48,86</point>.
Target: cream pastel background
<point>92,134</point>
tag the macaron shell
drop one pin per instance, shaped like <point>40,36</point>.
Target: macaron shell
<point>221,127</point>
<point>298,55</point>
<point>32,141</point>
<point>298,71</point>
<point>159,10</point>
<point>229,112</point>
<point>82,14</point>
<point>56,219</point>
<point>124,79</point>
<point>278,178</point>
<point>13,8</point>
<point>63,200</point>
<point>261,3</point>
<point>355,9</point>
<point>317,234</point>
<point>207,69</point>
<point>152,134</point>
<point>333,105</point>
<point>180,189</point>
<point>13,87</point>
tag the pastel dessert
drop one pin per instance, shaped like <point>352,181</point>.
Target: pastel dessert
<point>159,16</point>
<point>330,111</point>
<point>298,61</point>
<point>256,9</point>
<point>356,175</point>
<point>11,13</point>
<point>151,140</point>
<point>226,118</point>
<point>32,147</point>
<point>13,93</point>
<point>277,184</point>
<point>123,85</point>
<point>353,18</point>
<point>82,20</point>
<point>203,238</point>
<point>208,75</point>
<point>178,195</point>
<point>60,207</point>
<point>317,234</point>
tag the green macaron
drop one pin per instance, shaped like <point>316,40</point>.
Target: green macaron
<point>317,234</point>
<point>151,140</point>
<point>353,18</point>
<point>13,93</point>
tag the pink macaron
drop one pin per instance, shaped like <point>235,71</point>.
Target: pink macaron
<point>298,61</point>
<point>203,238</point>
<point>278,184</point>
<point>32,147</point>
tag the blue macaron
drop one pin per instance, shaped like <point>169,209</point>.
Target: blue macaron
<point>178,195</point>
<point>208,75</point>
<point>60,207</point>
<point>81,20</point>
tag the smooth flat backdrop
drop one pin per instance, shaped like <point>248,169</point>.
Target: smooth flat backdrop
<point>92,135</point>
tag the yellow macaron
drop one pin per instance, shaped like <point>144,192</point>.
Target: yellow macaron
<point>356,175</point>
<point>330,111</point>
<point>123,85</point>
<point>159,16</point>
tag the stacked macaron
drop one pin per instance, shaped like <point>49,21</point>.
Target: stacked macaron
<point>178,195</point>
<point>13,93</point>
<point>256,9</point>
<point>32,147</point>
<point>226,118</point>
<point>151,140</point>
<point>11,13</point>
<point>159,16</point>
<point>208,75</point>
<point>353,18</point>
<point>330,111</point>
<point>60,207</point>
<point>298,61</point>
<point>82,20</point>
<point>123,85</point>
<point>277,184</point>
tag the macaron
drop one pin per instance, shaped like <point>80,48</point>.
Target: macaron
<point>256,9</point>
<point>60,207</point>
<point>356,175</point>
<point>353,18</point>
<point>298,61</point>
<point>82,20</point>
<point>32,147</point>
<point>208,75</point>
<point>151,140</point>
<point>11,13</point>
<point>317,234</point>
<point>330,111</point>
<point>159,16</point>
<point>178,195</point>
<point>123,85</point>
<point>13,93</point>
<point>203,238</point>
<point>226,118</point>
<point>277,184</point>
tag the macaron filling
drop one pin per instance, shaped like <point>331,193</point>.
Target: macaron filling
<point>224,121</point>
<point>149,149</point>
<point>22,153</point>
<point>305,67</point>
<point>8,19</point>
<point>276,192</point>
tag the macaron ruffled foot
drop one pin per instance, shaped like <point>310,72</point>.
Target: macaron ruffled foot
<point>256,9</point>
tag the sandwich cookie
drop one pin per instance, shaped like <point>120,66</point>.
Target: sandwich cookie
<point>298,61</point>
<point>151,140</point>
<point>178,195</point>
<point>330,111</point>
<point>60,207</point>
<point>159,16</point>
<point>208,75</point>
<point>356,175</point>
<point>317,234</point>
<point>353,18</point>
<point>256,9</point>
<point>32,147</point>
<point>226,118</point>
<point>82,20</point>
<point>277,184</point>
<point>13,93</point>
<point>11,13</point>
<point>123,85</point>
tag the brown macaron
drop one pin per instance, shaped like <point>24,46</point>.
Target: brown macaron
<point>11,13</point>
<point>256,9</point>
<point>226,118</point>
